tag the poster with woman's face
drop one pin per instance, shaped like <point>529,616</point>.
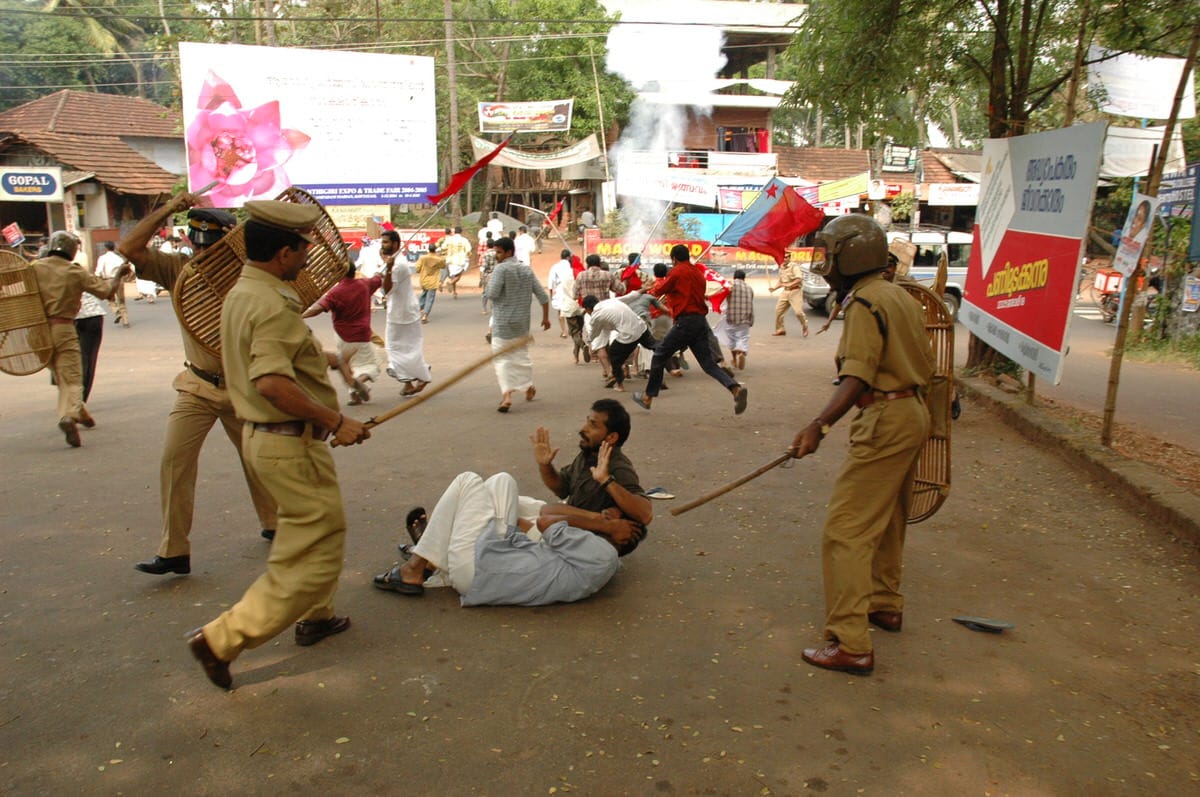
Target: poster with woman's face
<point>1135,233</point>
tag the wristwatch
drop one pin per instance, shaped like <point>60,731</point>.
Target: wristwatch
<point>822,427</point>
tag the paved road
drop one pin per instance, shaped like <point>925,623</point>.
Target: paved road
<point>683,676</point>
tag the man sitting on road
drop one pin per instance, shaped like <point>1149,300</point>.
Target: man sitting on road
<point>481,537</point>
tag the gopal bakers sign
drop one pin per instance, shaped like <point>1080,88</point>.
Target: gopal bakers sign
<point>31,184</point>
<point>1034,205</point>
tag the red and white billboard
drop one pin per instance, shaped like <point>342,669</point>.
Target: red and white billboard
<point>1034,205</point>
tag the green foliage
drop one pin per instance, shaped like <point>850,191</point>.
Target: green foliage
<point>902,206</point>
<point>1181,349</point>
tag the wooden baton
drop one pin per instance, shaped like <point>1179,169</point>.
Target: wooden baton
<point>738,482</point>
<point>455,377</point>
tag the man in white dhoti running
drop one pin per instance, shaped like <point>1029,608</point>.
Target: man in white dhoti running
<point>510,289</point>
<point>495,546</point>
<point>405,343</point>
<point>556,284</point>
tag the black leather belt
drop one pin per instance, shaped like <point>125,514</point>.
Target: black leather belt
<point>216,380</point>
<point>871,396</point>
<point>294,429</point>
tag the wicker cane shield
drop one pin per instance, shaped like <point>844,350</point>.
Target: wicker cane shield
<point>204,281</point>
<point>932,485</point>
<point>25,344</point>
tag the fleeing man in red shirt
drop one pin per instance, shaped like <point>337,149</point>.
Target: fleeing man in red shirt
<point>350,304</point>
<point>683,291</point>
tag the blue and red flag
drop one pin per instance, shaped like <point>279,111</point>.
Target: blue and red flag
<point>776,218</point>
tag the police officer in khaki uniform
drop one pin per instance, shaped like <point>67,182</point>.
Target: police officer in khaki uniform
<point>884,361</point>
<point>61,285</point>
<point>791,283</point>
<point>277,380</point>
<point>200,398</point>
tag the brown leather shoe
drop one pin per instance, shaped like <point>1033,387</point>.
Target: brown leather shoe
<point>310,632</point>
<point>216,670</point>
<point>888,621</point>
<point>833,657</point>
<point>67,427</point>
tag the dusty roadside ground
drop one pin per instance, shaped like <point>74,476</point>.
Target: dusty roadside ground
<point>683,676</point>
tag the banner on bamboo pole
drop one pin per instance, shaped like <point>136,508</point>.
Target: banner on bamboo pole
<point>1034,206</point>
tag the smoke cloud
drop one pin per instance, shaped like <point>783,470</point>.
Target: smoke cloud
<point>667,59</point>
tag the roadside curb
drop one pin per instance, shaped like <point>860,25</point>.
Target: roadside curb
<point>1167,503</point>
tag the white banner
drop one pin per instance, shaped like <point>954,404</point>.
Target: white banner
<point>952,193</point>
<point>1127,151</point>
<point>1130,85</point>
<point>349,128</point>
<point>581,152</point>
<point>670,185</point>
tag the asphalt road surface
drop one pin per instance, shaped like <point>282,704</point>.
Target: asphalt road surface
<point>682,676</point>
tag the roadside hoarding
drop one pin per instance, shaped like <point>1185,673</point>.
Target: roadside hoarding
<point>525,117</point>
<point>1177,192</point>
<point>613,251</point>
<point>350,128</point>
<point>1135,233</point>
<point>1035,203</point>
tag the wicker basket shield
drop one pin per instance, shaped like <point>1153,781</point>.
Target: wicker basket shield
<point>204,281</point>
<point>25,344</point>
<point>932,485</point>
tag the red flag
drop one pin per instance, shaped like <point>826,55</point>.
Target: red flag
<point>460,179</point>
<point>553,217</point>
<point>778,217</point>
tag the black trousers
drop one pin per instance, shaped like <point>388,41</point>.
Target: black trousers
<point>91,332</point>
<point>619,352</point>
<point>691,332</point>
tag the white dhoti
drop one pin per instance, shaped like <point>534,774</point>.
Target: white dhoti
<point>735,337</point>
<point>360,357</point>
<point>469,507</point>
<point>405,352</point>
<point>514,370</point>
<point>146,287</point>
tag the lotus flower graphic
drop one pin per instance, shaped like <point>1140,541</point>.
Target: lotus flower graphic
<point>243,150</point>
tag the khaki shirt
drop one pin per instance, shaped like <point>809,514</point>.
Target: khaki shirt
<point>262,333</point>
<point>62,283</point>
<point>903,359</point>
<point>429,269</point>
<point>165,268</point>
<point>789,273</point>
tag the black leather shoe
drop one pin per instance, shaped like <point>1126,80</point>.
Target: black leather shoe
<point>216,670</point>
<point>268,534</point>
<point>160,565</point>
<point>310,632</point>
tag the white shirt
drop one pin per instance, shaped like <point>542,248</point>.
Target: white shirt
<point>402,303</point>
<point>370,262</point>
<point>107,264</point>
<point>524,245</point>
<point>614,319</point>
<point>560,275</point>
<point>496,226</point>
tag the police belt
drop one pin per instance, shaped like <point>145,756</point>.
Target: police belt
<point>871,396</point>
<point>294,429</point>
<point>216,380</point>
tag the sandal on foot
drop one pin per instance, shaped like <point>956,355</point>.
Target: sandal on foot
<point>505,406</point>
<point>415,523</point>
<point>391,582</point>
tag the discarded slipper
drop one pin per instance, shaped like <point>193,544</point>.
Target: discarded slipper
<point>984,624</point>
<point>391,582</point>
<point>415,523</point>
<point>659,493</point>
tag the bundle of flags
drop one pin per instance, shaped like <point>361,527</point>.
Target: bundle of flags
<point>776,218</point>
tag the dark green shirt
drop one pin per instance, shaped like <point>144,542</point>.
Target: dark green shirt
<point>580,490</point>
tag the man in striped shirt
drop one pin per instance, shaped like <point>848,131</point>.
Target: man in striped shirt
<point>510,289</point>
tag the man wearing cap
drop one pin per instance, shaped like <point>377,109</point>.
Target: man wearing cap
<point>200,395</point>
<point>61,285</point>
<point>279,387</point>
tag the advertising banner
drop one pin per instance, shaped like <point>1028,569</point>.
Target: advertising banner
<point>1034,206</point>
<point>1177,192</point>
<point>669,185</point>
<point>581,152</point>
<point>260,119</point>
<point>13,235</point>
<point>841,189</point>
<point>1137,86</point>
<point>952,193</point>
<point>31,184</point>
<point>1135,233</point>
<point>525,117</point>
<point>613,251</point>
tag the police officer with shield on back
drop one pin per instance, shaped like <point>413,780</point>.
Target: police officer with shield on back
<point>884,362</point>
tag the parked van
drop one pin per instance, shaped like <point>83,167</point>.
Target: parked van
<point>930,243</point>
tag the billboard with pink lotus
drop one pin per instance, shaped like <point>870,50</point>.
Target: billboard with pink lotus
<point>349,128</point>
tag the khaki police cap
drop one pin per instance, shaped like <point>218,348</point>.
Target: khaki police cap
<point>285,216</point>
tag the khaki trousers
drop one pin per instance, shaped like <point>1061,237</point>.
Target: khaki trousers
<point>862,545</point>
<point>306,556</point>
<point>67,363</point>
<point>794,299</point>
<point>188,426</point>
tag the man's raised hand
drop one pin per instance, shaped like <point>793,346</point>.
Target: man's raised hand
<point>542,452</point>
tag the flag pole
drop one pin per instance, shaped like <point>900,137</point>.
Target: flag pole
<point>650,235</point>
<point>553,226</point>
